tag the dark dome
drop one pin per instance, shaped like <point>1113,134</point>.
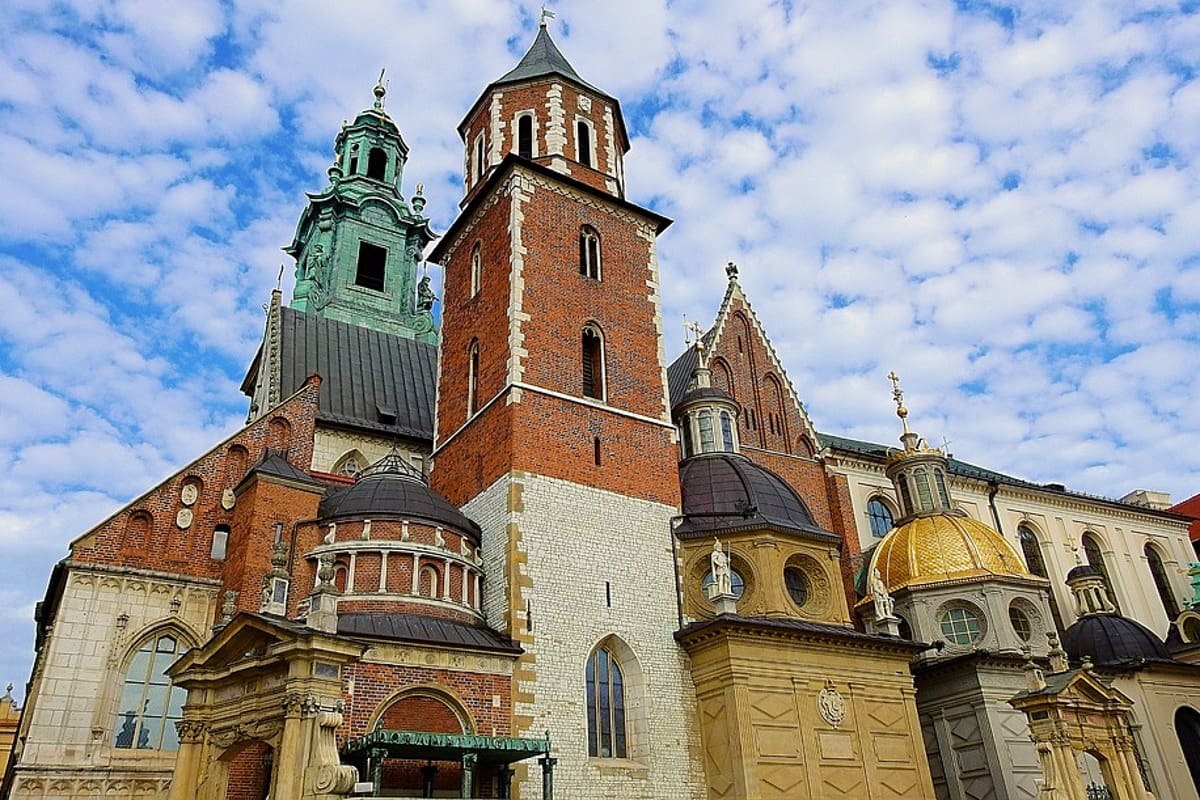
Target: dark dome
<point>392,488</point>
<point>727,491</point>
<point>1083,571</point>
<point>1110,640</point>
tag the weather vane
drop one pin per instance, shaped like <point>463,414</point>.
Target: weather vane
<point>546,14</point>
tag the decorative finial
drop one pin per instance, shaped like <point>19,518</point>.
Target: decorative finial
<point>693,332</point>
<point>279,278</point>
<point>898,396</point>
<point>731,271</point>
<point>546,14</point>
<point>418,199</point>
<point>380,91</point>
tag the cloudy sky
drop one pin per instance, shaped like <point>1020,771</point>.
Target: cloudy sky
<point>997,201</point>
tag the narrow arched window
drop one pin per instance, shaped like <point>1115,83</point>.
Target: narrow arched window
<point>476,269</point>
<point>525,136</point>
<point>1095,557</point>
<point>593,363</point>
<point>605,686</point>
<point>1161,582</point>
<point>706,432</point>
<point>685,435</point>
<point>583,143</point>
<point>479,157</point>
<point>429,581</point>
<point>940,480</point>
<point>377,161</point>
<point>589,252</point>
<point>1032,551</point>
<point>472,378</point>
<point>150,706</point>
<point>354,160</point>
<point>905,495</point>
<point>880,516</point>
<point>726,432</point>
<point>924,494</point>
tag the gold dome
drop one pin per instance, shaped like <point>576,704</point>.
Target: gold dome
<point>944,547</point>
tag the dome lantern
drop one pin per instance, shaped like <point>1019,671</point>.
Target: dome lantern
<point>918,471</point>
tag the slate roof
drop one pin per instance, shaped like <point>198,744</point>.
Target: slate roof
<point>957,467</point>
<point>543,58</point>
<point>414,628</point>
<point>274,462</point>
<point>1112,640</point>
<point>366,374</point>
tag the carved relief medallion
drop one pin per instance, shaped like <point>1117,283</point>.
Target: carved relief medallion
<point>184,518</point>
<point>188,494</point>
<point>228,499</point>
<point>831,705</point>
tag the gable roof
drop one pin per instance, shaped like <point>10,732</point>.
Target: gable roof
<point>371,380</point>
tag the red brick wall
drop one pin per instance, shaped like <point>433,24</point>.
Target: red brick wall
<point>144,534</point>
<point>374,684</point>
<point>250,773</point>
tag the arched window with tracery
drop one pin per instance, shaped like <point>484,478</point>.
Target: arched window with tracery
<point>1159,572</point>
<point>592,367</point>
<point>150,706</point>
<point>880,516</point>
<point>349,465</point>
<point>589,252</point>
<point>605,687</point>
<point>1032,551</point>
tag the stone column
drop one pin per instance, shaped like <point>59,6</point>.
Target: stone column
<point>468,773</point>
<point>383,559</point>
<point>291,758</point>
<point>446,580</point>
<point>187,761</point>
<point>377,756</point>
<point>416,577</point>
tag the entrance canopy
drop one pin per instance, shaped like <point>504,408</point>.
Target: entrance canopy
<point>445,746</point>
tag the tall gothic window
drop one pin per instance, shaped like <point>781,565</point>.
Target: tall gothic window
<point>479,164</point>
<point>593,363</point>
<point>150,706</point>
<point>1032,551</point>
<point>726,432</point>
<point>589,252</point>
<point>1091,549</point>
<point>525,136</point>
<point>706,432</point>
<point>377,164</point>
<point>476,269</point>
<point>605,684</point>
<point>583,143</point>
<point>473,378</point>
<point>1159,572</point>
<point>880,516</point>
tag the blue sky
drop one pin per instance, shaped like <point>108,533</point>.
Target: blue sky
<point>998,201</point>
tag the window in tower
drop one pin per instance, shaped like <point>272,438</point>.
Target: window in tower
<point>605,686</point>
<point>583,143</point>
<point>476,269</point>
<point>880,516</point>
<point>478,166</point>
<point>472,378</point>
<point>961,625</point>
<point>726,432</point>
<point>377,164</point>
<point>354,160</point>
<point>924,495</point>
<point>372,266</point>
<point>593,363</point>
<point>150,706</point>
<point>940,480</point>
<point>525,136</point>
<point>685,436</point>
<point>1159,572</point>
<point>706,432</point>
<point>796,583</point>
<point>589,252</point>
<point>905,497</point>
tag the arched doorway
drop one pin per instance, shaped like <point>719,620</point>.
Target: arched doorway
<point>425,711</point>
<point>1187,728</point>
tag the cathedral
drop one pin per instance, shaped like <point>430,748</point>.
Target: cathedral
<point>491,542</point>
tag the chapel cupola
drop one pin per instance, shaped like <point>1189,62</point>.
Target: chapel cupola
<point>918,471</point>
<point>358,242</point>
<point>543,111</point>
<point>706,415</point>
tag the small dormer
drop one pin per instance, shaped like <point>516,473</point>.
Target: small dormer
<point>543,111</point>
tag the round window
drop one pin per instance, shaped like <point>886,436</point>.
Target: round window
<point>1020,622</point>
<point>797,585</point>
<point>961,625</point>
<point>736,582</point>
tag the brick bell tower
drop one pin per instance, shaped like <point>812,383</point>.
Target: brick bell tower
<point>553,429</point>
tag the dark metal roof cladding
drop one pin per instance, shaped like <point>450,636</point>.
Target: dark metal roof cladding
<point>416,628</point>
<point>1112,640</point>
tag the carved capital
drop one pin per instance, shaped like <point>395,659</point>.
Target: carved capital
<point>191,731</point>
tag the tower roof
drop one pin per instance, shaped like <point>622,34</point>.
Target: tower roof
<point>543,58</point>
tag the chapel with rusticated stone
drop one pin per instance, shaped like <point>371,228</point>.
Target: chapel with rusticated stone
<point>485,541</point>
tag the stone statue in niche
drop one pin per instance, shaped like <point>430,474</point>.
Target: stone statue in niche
<point>885,604</point>
<point>425,295</point>
<point>722,575</point>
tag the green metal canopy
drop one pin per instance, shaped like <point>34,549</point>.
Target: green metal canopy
<point>446,746</point>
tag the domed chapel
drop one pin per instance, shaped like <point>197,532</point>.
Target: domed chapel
<point>484,540</point>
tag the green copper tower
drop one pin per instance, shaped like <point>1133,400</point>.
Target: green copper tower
<point>358,242</point>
